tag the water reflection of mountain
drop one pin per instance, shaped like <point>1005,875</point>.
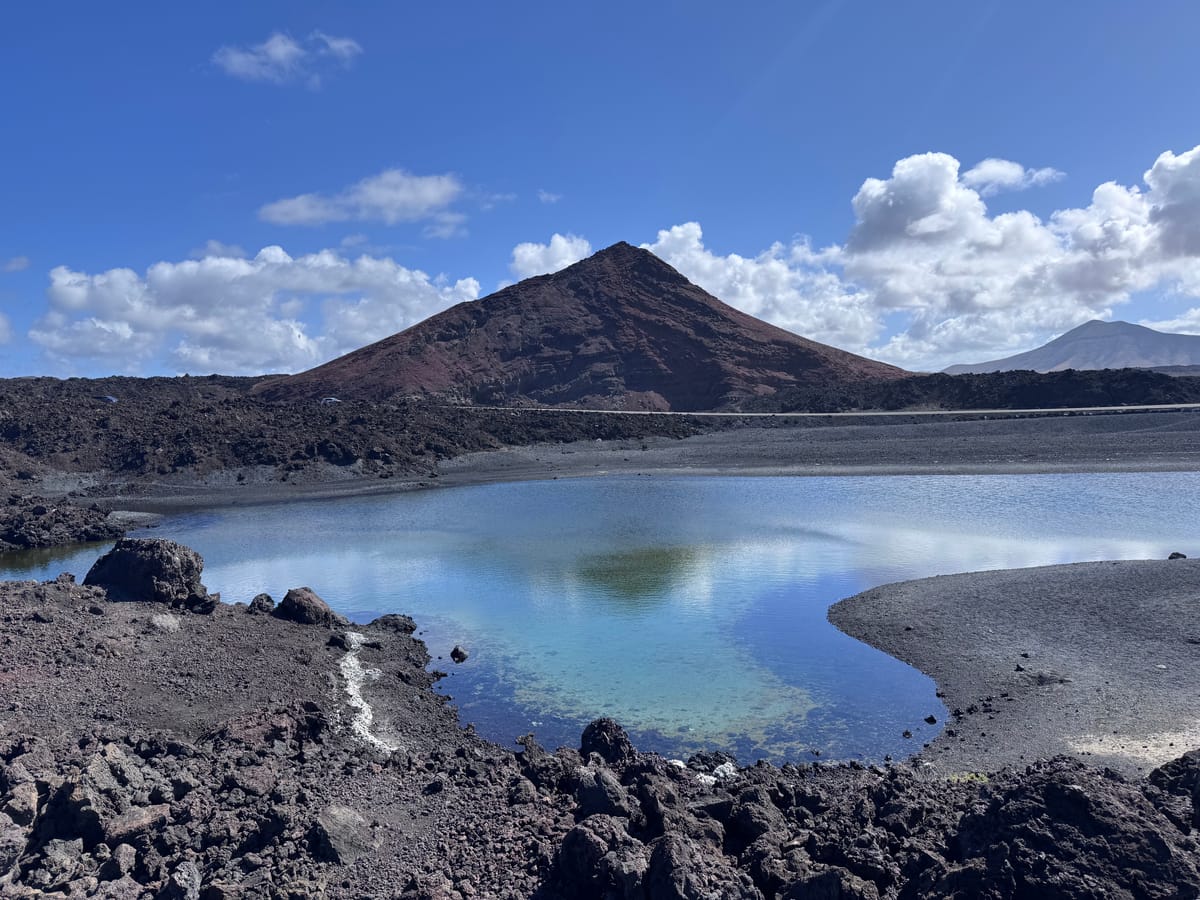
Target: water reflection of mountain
<point>639,575</point>
<point>40,562</point>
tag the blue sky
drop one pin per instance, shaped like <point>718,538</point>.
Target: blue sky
<point>259,187</point>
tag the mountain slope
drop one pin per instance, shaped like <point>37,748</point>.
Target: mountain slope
<point>619,330</point>
<point>1099,345</point>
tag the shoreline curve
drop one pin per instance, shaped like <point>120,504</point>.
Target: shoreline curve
<point>1096,660</point>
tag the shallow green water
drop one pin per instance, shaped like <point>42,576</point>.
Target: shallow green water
<point>690,609</point>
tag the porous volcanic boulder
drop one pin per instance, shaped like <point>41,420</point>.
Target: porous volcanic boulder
<point>682,869</point>
<point>261,605</point>
<point>598,858</point>
<point>1060,829</point>
<point>303,605</point>
<point>153,570</point>
<point>342,835</point>
<point>1179,781</point>
<point>608,739</point>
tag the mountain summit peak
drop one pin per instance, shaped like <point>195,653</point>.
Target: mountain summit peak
<point>625,256</point>
<point>1097,344</point>
<point>621,329</point>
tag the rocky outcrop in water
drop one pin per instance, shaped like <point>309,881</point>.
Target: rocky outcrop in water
<point>28,522</point>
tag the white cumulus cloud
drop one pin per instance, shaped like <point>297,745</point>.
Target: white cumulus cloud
<point>391,197</point>
<point>1175,201</point>
<point>975,285</point>
<point>995,175</point>
<point>281,59</point>
<point>791,286</point>
<point>271,313</point>
<point>531,259</point>
<point>928,276</point>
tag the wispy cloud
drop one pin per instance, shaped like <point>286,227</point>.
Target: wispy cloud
<point>218,250</point>
<point>547,197</point>
<point>343,49</point>
<point>16,264</point>
<point>391,197</point>
<point>995,175</point>
<point>488,202</point>
<point>281,59</point>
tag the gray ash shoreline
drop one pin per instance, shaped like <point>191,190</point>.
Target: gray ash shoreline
<point>177,747</point>
<point>1098,660</point>
<point>647,446</point>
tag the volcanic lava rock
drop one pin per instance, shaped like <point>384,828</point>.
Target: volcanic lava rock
<point>153,570</point>
<point>608,739</point>
<point>231,793</point>
<point>1179,780</point>
<point>261,605</point>
<point>304,606</point>
<point>27,522</point>
<point>1066,828</point>
<point>395,622</point>
<point>458,654</point>
<point>682,869</point>
<point>599,858</point>
<point>342,835</point>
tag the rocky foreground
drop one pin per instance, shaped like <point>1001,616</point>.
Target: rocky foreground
<point>155,742</point>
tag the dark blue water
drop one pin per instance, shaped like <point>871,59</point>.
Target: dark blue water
<point>690,609</point>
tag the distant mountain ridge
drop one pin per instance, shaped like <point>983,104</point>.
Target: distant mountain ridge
<point>1099,345</point>
<point>619,330</point>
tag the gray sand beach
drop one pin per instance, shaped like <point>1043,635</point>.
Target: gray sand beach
<point>1120,442</point>
<point>1098,660</point>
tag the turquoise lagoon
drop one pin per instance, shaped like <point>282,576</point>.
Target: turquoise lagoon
<point>692,610</point>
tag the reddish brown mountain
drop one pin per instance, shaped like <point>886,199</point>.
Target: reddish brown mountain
<point>619,330</point>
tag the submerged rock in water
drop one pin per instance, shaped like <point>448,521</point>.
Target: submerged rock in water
<point>395,622</point>
<point>153,570</point>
